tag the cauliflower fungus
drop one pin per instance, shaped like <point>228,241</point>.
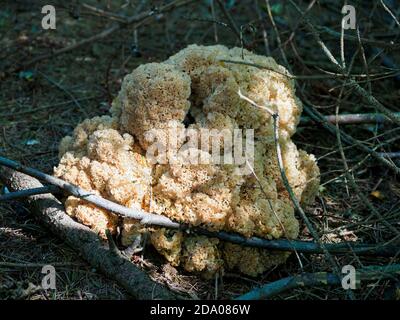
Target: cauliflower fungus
<point>194,90</point>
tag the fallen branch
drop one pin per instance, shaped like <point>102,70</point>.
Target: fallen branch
<point>51,213</point>
<point>318,279</point>
<point>356,118</point>
<point>391,155</point>
<point>279,244</point>
<point>142,216</point>
<point>27,193</point>
<point>380,250</point>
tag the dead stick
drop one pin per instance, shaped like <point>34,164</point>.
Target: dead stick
<point>382,250</point>
<point>391,155</point>
<point>356,118</point>
<point>27,193</point>
<point>51,213</point>
<point>295,201</point>
<point>142,216</point>
<point>102,13</point>
<point>279,244</point>
<point>317,279</point>
<point>230,20</point>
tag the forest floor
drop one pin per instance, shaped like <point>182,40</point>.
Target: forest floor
<point>42,102</point>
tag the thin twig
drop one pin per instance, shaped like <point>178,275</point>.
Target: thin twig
<point>390,12</point>
<point>391,155</point>
<point>41,108</point>
<point>264,30</point>
<point>318,117</point>
<point>49,210</point>
<point>143,217</point>
<point>102,13</point>
<point>335,34</point>
<point>356,118</point>
<point>112,245</point>
<point>27,193</point>
<point>39,264</point>
<point>230,20</point>
<point>215,25</point>
<point>274,211</point>
<point>279,244</point>
<point>318,279</point>
<point>350,177</point>
<point>275,28</point>
<point>329,75</point>
<point>69,94</point>
<point>361,91</point>
<point>296,203</point>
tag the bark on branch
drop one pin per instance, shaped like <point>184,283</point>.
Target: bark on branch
<point>319,279</point>
<point>51,213</point>
<point>381,250</point>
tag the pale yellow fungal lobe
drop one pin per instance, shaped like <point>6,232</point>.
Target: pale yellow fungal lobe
<point>194,90</point>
